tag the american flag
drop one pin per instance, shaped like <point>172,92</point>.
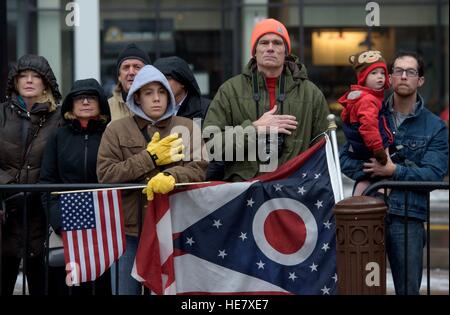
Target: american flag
<point>93,234</point>
<point>274,234</point>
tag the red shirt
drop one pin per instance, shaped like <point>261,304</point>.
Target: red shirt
<point>271,88</point>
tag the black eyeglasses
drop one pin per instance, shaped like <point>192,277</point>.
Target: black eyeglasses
<point>81,98</point>
<point>410,72</point>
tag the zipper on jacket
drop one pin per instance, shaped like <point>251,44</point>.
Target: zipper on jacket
<point>86,139</point>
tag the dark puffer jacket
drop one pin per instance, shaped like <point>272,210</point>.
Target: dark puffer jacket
<point>23,136</point>
<point>194,106</point>
<point>71,152</point>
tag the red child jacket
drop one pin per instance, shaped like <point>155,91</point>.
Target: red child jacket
<point>362,105</point>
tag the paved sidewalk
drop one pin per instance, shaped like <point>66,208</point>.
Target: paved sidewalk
<point>439,283</point>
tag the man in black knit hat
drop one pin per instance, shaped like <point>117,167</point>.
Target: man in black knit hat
<point>129,62</point>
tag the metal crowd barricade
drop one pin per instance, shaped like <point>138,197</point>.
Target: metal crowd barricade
<point>48,188</point>
<point>407,187</point>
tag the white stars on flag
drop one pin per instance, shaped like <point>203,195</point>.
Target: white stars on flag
<point>301,190</point>
<point>325,247</point>
<point>304,175</point>
<point>250,202</point>
<point>319,204</point>
<point>243,236</point>
<point>222,253</point>
<point>316,176</point>
<point>335,277</point>
<point>278,187</point>
<point>325,290</point>
<point>327,224</point>
<point>190,241</point>
<point>260,264</point>
<point>292,276</point>
<point>313,267</point>
<point>217,223</point>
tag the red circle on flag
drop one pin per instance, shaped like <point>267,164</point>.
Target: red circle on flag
<point>285,231</point>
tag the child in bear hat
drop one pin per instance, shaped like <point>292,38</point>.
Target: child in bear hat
<point>365,129</point>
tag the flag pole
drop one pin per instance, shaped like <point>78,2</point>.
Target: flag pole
<point>121,188</point>
<point>332,128</point>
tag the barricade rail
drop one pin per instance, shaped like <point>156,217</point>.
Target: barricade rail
<point>425,187</point>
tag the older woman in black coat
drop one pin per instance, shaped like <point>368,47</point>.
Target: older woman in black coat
<point>71,157</point>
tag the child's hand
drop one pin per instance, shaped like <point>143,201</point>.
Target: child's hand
<point>380,156</point>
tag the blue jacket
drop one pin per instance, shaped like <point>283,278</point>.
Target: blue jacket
<point>424,138</point>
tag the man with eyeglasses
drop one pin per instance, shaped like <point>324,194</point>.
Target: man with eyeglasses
<point>422,142</point>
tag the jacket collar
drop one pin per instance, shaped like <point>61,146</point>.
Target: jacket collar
<point>418,107</point>
<point>93,125</point>
<point>117,93</point>
<point>141,123</point>
<point>37,108</point>
<point>377,93</point>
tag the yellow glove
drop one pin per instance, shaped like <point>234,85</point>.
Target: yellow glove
<point>166,150</point>
<point>159,184</point>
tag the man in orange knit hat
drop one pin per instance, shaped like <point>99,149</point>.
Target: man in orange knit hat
<point>272,94</point>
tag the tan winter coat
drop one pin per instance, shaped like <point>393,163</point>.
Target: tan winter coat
<point>117,106</point>
<point>122,158</point>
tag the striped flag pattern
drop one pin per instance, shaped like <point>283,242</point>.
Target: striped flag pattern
<point>93,234</point>
<point>273,234</point>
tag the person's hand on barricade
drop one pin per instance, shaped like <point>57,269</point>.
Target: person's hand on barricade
<point>161,183</point>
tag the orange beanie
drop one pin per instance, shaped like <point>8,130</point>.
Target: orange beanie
<point>269,26</point>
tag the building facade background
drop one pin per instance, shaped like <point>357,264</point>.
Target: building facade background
<point>213,36</point>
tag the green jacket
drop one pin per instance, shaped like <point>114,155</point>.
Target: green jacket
<point>233,105</point>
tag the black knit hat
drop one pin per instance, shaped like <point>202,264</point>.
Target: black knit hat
<point>132,51</point>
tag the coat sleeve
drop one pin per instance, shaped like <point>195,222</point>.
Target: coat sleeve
<point>193,170</point>
<point>434,164</point>
<point>367,112</point>
<point>219,117</point>
<point>113,167</point>
<point>49,174</point>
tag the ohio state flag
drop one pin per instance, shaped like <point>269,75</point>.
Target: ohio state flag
<point>274,234</point>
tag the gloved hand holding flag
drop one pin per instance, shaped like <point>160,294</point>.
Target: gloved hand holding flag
<point>161,184</point>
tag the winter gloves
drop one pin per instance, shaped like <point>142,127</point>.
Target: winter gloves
<point>161,184</point>
<point>163,151</point>
<point>380,156</point>
<point>166,150</point>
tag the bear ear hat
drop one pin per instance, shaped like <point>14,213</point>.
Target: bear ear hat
<point>351,59</point>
